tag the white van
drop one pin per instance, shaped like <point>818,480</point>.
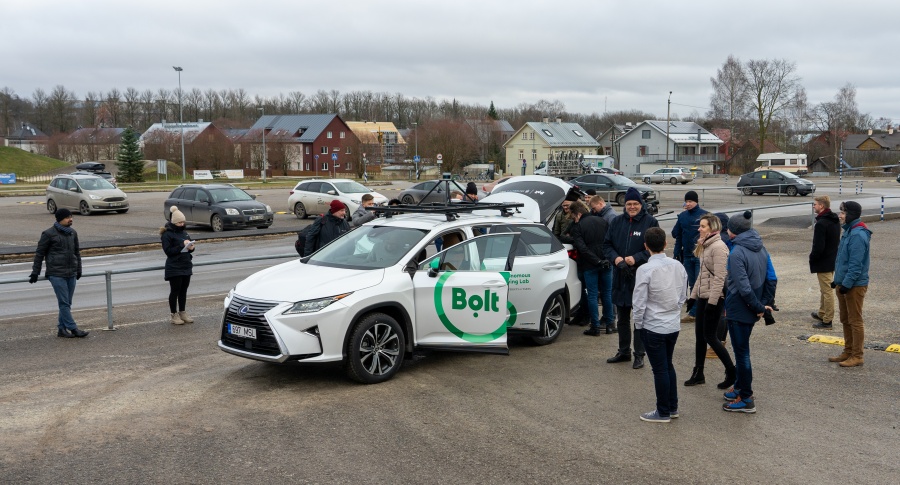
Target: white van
<point>787,162</point>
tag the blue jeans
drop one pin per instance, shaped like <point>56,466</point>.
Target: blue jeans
<point>590,282</point>
<point>609,311</point>
<point>65,290</point>
<point>692,268</point>
<point>740,343</point>
<point>660,347</point>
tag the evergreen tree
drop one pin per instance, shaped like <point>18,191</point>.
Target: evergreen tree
<point>492,112</point>
<point>131,160</point>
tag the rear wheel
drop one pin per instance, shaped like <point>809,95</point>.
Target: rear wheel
<point>646,180</point>
<point>84,209</point>
<point>553,318</point>
<point>216,223</point>
<point>620,199</point>
<point>791,190</point>
<point>408,199</point>
<point>375,349</point>
<point>673,181</point>
<point>51,206</point>
<point>747,190</point>
<point>300,210</point>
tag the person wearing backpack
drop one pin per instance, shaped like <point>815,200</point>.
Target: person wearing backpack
<point>327,228</point>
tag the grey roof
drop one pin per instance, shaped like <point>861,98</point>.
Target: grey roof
<point>681,131</point>
<point>886,141</point>
<point>26,132</point>
<point>288,126</point>
<point>563,134</point>
<point>234,134</point>
<point>96,135</point>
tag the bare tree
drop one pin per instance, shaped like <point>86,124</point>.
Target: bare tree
<point>148,111</point>
<point>62,109</point>
<point>772,85</point>
<point>193,101</point>
<point>840,117</point>
<point>112,106</point>
<point>39,101</point>
<point>297,102</point>
<point>132,106</point>
<point>730,98</point>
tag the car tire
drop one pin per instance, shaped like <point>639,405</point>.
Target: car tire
<point>216,223</point>
<point>300,211</point>
<point>122,211</point>
<point>84,209</point>
<point>51,206</point>
<point>747,190</point>
<point>646,180</point>
<point>375,349</point>
<point>262,227</point>
<point>553,318</point>
<point>673,181</point>
<point>620,199</point>
<point>408,200</point>
<point>791,190</point>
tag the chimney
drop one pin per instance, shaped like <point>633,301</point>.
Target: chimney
<point>200,120</point>
<point>558,120</point>
<point>546,119</point>
<point>870,132</point>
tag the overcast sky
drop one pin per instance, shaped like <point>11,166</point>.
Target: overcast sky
<point>591,55</point>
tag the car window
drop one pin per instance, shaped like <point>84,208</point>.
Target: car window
<point>313,186</point>
<point>70,184</point>
<point>201,196</point>
<point>427,185</point>
<point>176,194</point>
<point>351,187</point>
<point>95,184</point>
<point>57,183</point>
<point>188,194</point>
<point>302,186</point>
<point>621,180</point>
<point>368,247</point>
<point>325,187</point>
<point>604,180</point>
<point>228,194</point>
<point>534,240</point>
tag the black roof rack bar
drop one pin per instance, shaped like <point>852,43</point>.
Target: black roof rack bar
<point>451,210</point>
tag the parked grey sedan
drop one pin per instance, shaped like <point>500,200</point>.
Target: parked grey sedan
<point>672,175</point>
<point>419,193</point>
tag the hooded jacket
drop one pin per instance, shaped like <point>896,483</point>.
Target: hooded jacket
<point>625,237</point>
<point>325,229</point>
<point>710,284</point>
<point>178,261</point>
<point>61,252</point>
<point>686,232</point>
<point>826,236</point>
<point>746,278</point>
<point>852,265</point>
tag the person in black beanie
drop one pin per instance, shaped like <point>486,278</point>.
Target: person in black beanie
<point>59,246</point>
<point>471,192</point>
<point>624,248</point>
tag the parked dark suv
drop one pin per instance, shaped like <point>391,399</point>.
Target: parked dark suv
<point>219,206</point>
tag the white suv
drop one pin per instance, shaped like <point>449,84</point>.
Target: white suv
<point>380,292</point>
<point>312,197</point>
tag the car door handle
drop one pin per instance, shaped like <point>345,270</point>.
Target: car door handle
<point>494,284</point>
<point>553,266</point>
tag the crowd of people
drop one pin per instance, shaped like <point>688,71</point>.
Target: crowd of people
<point>721,276</point>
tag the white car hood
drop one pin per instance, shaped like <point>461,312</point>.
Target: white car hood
<point>531,210</point>
<point>296,281</point>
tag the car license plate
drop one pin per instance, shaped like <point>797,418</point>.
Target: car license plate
<point>239,331</point>
<point>115,204</point>
<point>256,218</point>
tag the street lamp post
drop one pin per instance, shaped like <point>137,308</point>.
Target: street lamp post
<point>181,122</point>
<point>265,163</point>
<point>668,112</point>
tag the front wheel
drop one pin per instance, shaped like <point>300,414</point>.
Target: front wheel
<point>408,200</point>
<point>216,223</point>
<point>553,318</point>
<point>84,209</point>
<point>646,180</point>
<point>620,199</point>
<point>51,206</point>
<point>747,190</point>
<point>300,210</point>
<point>375,349</point>
<point>673,181</point>
<point>791,190</point>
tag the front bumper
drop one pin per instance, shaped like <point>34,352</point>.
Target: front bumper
<point>100,205</point>
<point>242,221</point>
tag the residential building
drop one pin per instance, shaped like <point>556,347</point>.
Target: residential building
<point>652,145</point>
<point>491,135</point>
<point>537,141</point>
<point>28,138</point>
<point>87,144</point>
<point>874,141</point>
<point>608,138</point>
<point>205,146</point>
<point>391,148</point>
<point>308,144</point>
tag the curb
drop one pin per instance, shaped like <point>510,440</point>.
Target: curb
<point>832,340</point>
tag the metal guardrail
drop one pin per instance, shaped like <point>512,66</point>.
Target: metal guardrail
<point>108,276</point>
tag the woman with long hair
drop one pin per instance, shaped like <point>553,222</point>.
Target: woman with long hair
<point>708,294</point>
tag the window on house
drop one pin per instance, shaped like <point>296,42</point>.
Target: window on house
<point>534,154</point>
<point>642,151</point>
<point>328,134</point>
<point>307,152</point>
<point>349,151</point>
<point>532,135</point>
<point>325,166</point>
<point>307,166</point>
<point>324,150</point>
<point>521,154</point>
<point>547,132</point>
<point>524,136</point>
<point>343,135</point>
<point>645,134</point>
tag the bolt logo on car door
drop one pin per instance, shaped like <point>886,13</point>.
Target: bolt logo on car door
<point>464,308</point>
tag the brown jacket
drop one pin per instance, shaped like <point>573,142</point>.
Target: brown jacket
<point>713,269</point>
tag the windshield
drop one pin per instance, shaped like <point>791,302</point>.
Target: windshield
<point>368,247</point>
<point>621,180</point>
<point>351,187</point>
<point>229,194</point>
<point>787,174</point>
<point>95,184</point>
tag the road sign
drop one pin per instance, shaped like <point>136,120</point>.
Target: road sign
<point>416,159</point>
<point>334,156</point>
<point>316,157</point>
<point>440,158</point>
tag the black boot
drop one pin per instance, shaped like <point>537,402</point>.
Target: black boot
<point>730,375</point>
<point>696,377</point>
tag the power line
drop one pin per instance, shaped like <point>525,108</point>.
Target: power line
<point>689,106</point>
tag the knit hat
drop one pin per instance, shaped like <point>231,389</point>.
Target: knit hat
<point>691,195</point>
<point>740,223</point>
<point>852,210</point>
<point>723,219</point>
<point>335,206</point>
<point>572,195</point>
<point>177,215</point>
<point>62,214</point>
<point>633,194</point>
<point>471,189</point>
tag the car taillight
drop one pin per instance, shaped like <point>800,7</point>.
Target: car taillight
<point>573,253</point>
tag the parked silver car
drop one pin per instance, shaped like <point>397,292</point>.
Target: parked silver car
<point>313,197</point>
<point>672,175</point>
<point>85,193</point>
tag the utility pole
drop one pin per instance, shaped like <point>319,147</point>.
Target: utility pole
<point>668,113</point>
<point>181,122</point>
<point>265,163</point>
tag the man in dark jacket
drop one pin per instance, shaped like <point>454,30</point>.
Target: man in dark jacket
<point>624,248</point>
<point>686,232</point>
<point>744,305</point>
<point>59,246</point>
<point>826,236</point>
<point>600,208</point>
<point>327,228</point>
<point>588,234</point>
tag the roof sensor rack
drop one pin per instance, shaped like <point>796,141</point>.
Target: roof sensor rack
<point>451,211</point>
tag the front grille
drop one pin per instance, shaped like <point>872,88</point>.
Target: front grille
<point>114,199</point>
<point>253,212</point>
<point>265,342</point>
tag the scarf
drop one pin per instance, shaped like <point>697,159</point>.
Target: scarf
<point>62,228</point>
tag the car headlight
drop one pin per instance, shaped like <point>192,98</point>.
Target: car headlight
<point>312,306</point>
<point>124,195</point>
<point>232,212</point>
<point>95,197</point>
<point>268,208</point>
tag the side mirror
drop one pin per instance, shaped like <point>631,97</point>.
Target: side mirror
<point>253,196</point>
<point>434,266</point>
<point>330,192</point>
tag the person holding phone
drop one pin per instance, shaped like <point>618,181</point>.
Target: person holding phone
<point>179,248</point>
